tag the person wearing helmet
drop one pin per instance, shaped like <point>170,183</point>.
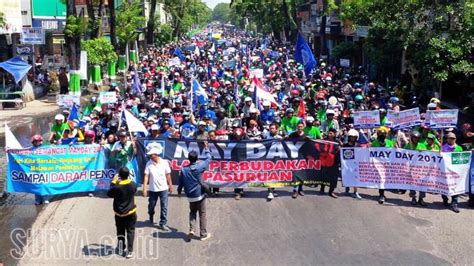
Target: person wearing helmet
<point>352,137</point>
<point>451,146</point>
<point>89,137</point>
<point>289,122</point>
<point>123,150</point>
<point>383,116</point>
<point>267,114</point>
<point>415,144</point>
<point>330,122</point>
<point>248,105</point>
<point>432,143</point>
<point>311,130</point>
<point>230,108</point>
<point>58,128</point>
<point>382,141</point>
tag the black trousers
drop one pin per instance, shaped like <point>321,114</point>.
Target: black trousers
<point>126,228</point>
<point>64,90</point>
<point>194,208</point>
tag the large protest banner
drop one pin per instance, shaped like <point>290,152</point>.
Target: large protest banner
<point>403,119</point>
<point>52,170</point>
<point>442,118</point>
<point>388,168</point>
<point>268,163</point>
<point>367,119</point>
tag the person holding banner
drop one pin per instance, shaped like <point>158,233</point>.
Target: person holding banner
<point>123,190</point>
<point>57,129</point>
<point>37,141</point>
<point>382,141</point>
<point>451,146</point>
<point>196,189</point>
<point>415,144</point>
<point>122,150</point>
<point>352,137</point>
<point>431,143</point>
<point>157,184</point>
<point>299,134</point>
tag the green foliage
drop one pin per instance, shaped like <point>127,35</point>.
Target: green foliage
<point>74,27</point>
<point>221,13</point>
<point>99,51</point>
<point>344,50</point>
<point>129,19</point>
<point>437,36</point>
<point>186,14</point>
<point>2,20</point>
<point>165,34</point>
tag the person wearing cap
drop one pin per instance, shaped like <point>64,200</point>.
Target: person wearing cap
<point>201,132</point>
<point>289,122</point>
<point>154,131</point>
<point>451,146</point>
<point>58,128</point>
<point>157,184</point>
<point>122,150</point>
<point>123,190</point>
<point>190,179</point>
<point>330,122</point>
<point>166,115</point>
<point>415,144</point>
<point>311,130</point>
<point>205,111</point>
<point>187,128</point>
<point>166,130</point>
<point>382,141</point>
<point>267,114</point>
<point>248,105</point>
<point>352,137</point>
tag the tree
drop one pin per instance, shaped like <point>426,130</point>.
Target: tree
<point>113,36</point>
<point>99,51</point>
<point>436,36</point>
<point>72,34</point>
<point>221,13</point>
<point>129,19</point>
<point>2,20</point>
<point>187,13</point>
<point>95,22</point>
<point>150,29</point>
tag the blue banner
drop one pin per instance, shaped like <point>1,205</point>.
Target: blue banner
<point>53,170</point>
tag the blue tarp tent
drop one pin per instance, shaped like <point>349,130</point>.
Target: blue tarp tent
<point>17,67</point>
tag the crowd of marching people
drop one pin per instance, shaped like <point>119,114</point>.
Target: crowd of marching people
<point>205,90</point>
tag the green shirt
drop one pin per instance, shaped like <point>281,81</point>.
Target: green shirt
<point>289,124</point>
<point>388,143</point>
<point>58,130</point>
<point>419,147</point>
<point>313,132</point>
<point>435,147</point>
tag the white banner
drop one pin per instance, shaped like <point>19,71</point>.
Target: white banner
<point>32,36</point>
<point>256,73</point>
<point>442,118</point>
<point>367,119</point>
<point>106,97</point>
<point>388,168</point>
<point>66,101</point>
<point>174,62</point>
<point>403,119</point>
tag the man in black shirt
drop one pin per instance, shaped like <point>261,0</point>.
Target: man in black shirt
<point>123,191</point>
<point>299,134</point>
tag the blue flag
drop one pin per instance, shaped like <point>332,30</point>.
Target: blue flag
<point>179,54</point>
<point>199,93</point>
<point>136,89</point>
<point>304,55</point>
<point>74,115</point>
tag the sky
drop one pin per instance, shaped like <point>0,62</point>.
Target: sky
<point>213,3</point>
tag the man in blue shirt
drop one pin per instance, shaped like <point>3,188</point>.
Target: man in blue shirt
<point>267,115</point>
<point>190,179</point>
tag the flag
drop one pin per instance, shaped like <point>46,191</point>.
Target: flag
<point>196,51</point>
<point>301,109</point>
<point>199,92</point>
<point>11,142</point>
<point>260,93</point>
<point>179,54</point>
<point>304,55</point>
<point>136,88</point>
<point>133,124</point>
<point>213,48</point>
<point>73,115</point>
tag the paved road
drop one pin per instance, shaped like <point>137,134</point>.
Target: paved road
<point>310,230</point>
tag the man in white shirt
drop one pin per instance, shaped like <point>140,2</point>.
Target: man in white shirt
<point>157,183</point>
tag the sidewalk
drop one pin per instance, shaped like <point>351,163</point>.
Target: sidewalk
<point>40,108</point>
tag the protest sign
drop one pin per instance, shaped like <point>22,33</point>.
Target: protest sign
<point>442,118</point>
<point>344,62</point>
<point>175,61</point>
<point>256,72</point>
<point>367,119</point>
<point>403,119</point>
<point>269,163</point>
<point>388,168</point>
<point>52,170</point>
<point>106,97</point>
<point>67,101</point>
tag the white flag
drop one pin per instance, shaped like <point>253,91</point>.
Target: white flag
<point>11,142</point>
<point>133,124</point>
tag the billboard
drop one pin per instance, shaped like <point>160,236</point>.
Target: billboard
<point>48,9</point>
